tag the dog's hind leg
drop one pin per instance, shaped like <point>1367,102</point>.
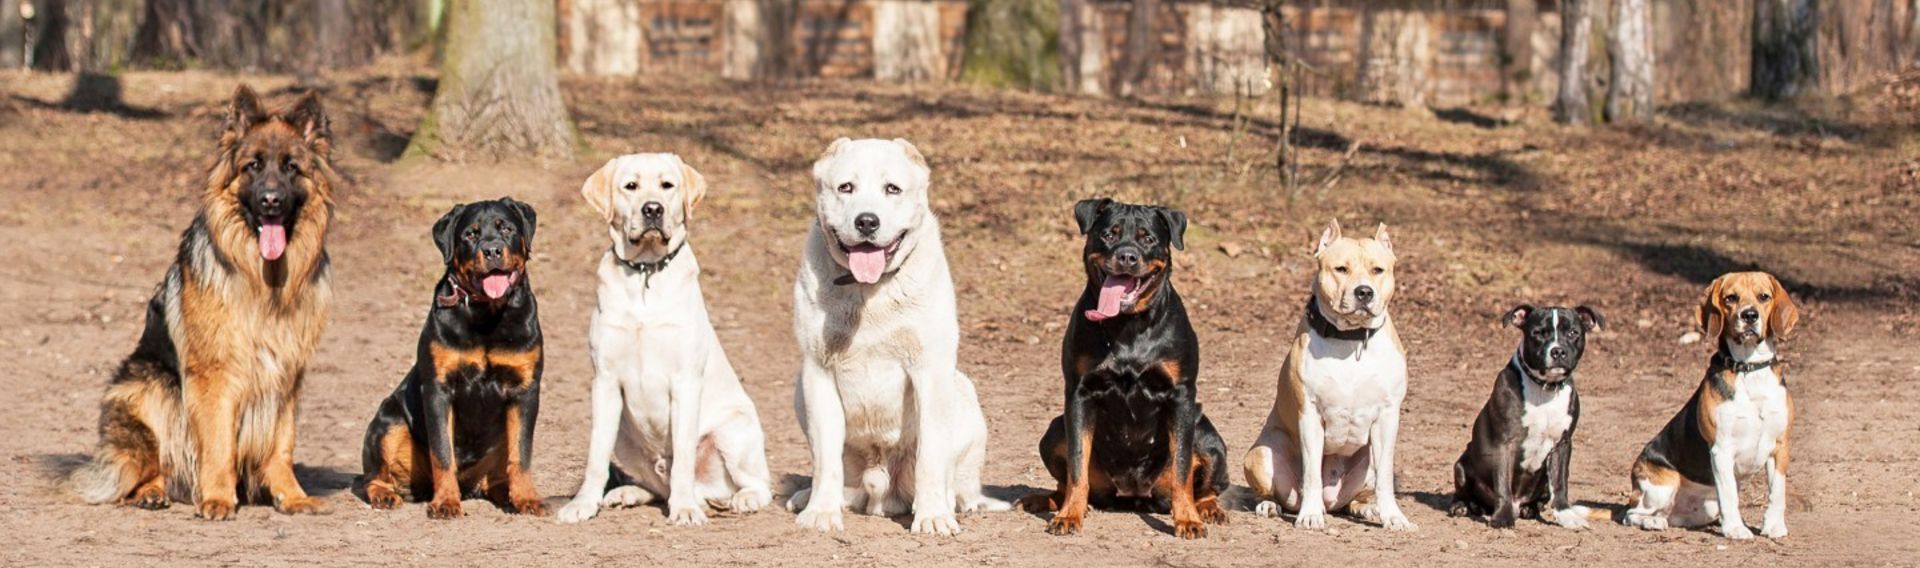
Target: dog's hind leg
<point>743,455</point>
<point>1273,473</point>
<point>126,467</point>
<point>966,478</point>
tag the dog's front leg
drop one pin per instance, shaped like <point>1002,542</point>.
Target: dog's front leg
<point>826,428</point>
<point>288,496</point>
<point>437,423</point>
<point>1181,424</point>
<point>1313,442</point>
<point>683,505</point>
<point>1073,490</point>
<point>1564,512</point>
<point>521,416</point>
<point>1774,525</point>
<point>212,415</point>
<point>933,397</point>
<point>1726,492</point>
<point>1386,431</point>
<point>606,430</point>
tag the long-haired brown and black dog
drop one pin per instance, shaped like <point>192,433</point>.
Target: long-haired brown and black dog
<point>203,409</point>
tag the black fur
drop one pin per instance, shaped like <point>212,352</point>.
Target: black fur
<point>1490,475</point>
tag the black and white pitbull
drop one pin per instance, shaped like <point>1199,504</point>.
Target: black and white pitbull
<point>1516,464</point>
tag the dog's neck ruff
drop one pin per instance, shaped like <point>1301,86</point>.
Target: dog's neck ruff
<point>1535,377</point>
<point>1725,359</point>
<point>1326,329</point>
<point>648,269</point>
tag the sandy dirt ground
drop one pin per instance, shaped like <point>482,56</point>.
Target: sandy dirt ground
<point>1489,208</point>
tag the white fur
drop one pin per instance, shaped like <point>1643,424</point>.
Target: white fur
<point>1748,424</point>
<point>1545,417</point>
<point>1354,390</point>
<point>665,398</point>
<point>880,360</point>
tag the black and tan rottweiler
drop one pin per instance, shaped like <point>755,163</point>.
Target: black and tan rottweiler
<point>462,421</point>
<point>203,409</point>
<point>1133,435</point>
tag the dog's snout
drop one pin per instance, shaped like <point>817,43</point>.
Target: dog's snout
<point>1363,293</point>
<point>653,210</point>
<point>272,201</point>
<point>1557,353</point>
<point>867,223</point>
<point>1128,259</point>
<point>493,251</point>
<point>1750,314</point>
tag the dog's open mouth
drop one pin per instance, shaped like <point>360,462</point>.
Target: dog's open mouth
<point>868,261</point>
<point>272,237</point>
<point>1119,292</point>
<point>495,284</point>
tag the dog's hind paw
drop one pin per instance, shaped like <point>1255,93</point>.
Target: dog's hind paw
<point>985,505</point>
<point>302,506</point>
<point>578,510</point>
<point>1572,517</point>
<point>1039,503</point>
<point>626,496</point>
<point>1268,509</point>
<point>148,499</point>
<point>750,500</point>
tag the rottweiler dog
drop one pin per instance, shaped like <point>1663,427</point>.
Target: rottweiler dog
<point>1133,435</point>
<point>461,423</point>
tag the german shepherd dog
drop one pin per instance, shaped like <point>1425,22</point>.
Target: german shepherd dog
<point>204,407</point>
<point>461,422</point>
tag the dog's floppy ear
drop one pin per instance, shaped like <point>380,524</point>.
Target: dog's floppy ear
<point>311,121</point>
<point>1087,210</point>
<point>1380,234</point>
<point>1327,237</point>
<point>1517,317</point>
<point>444,231</point>
<point>913,154</point>
<point>599,189</point>
<point>1176,227</point>
<point>1590,317</point>
<point>696,185</point>
<point>528,221</point>
<point>1712,318</point>
<point>1785,314</point>
<point>820,165</point>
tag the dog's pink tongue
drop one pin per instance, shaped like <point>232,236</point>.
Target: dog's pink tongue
<point>868,262</point>
<point>1111,293</point>
<point>496,285</point>
<point>273,240</point>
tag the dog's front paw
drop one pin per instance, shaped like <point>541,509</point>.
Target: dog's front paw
<point>687,516</point>
<point>443,508</point>
<point>215,509</point>
<point>938,522</point>
<point>823,519</point>
<point>750,500</point>
<point>302,506</point>
<point>1268,509</point>
<point>1189,528</point>
<point>1310,519</point>
<point>531,506</point>
<point>1736,531</point>
<point>1774,529</point>
<point>578,510</point>
<point>1064,524</point>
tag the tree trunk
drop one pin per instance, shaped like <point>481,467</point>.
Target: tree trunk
<point>498,95</point>
<point>1571,105</point>
<point>1786,61</point>
<point>1137,63</point>
<point>84,35</point>
<point>1394,56</point>
<point>13,36</point>
<point>606,37</point>
<point>906,39</point>
<point>1516,49</point>
<point>1630,92</point>
<point>1014,43</point>
<point>1083,48</point>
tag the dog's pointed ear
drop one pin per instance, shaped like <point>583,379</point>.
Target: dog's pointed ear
<point>243,111</point>
<point>1785,314</point>
<point>1087,210</point>
<point>598,189</point>
<point>308,118</point>
<point>1517,317</point>
<point>1380,234</point>
<point>528,221</point>
<point>1712,318</point>
<point>1590,317</point>
<point>444,231</point>
<point>1176,227</point>
<point>696,189</point>
<point>1327,237</point>
<point>826,158</point>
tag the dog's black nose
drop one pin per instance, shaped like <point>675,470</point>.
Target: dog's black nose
<point>1363,293</point>
<point>652,210</point>
<point>1750,314</point>
<point>867,223</point>
<point>1127,259</point>
<point>1557,353</point>
<point>271,201</point>
<point>493,252</point>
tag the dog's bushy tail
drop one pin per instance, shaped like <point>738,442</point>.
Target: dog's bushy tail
<point>129,450</point>
<point>104,478</point>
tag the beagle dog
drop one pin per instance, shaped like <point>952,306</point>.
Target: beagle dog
<point>1737,422</point>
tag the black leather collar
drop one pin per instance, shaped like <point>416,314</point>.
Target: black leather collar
<point>458,295</point>
<point>648,269</point>
<point>1533,377</point>
<point>1726,360</point>
<point>1326,328</point>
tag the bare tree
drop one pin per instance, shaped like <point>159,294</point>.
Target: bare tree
<point>1516,42</point>
<point>498,95</point>
<point>1786,61</point>
<point>1137,62</point>
<point>13,36</point>
<point>1572,105</point>
<point>1083,54</point>
<point>83,35</point>
<point>1630,92</point>
<point>1395,54</point>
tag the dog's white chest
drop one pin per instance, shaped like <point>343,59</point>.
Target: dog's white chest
<point>1751,421</point>
<point>1545,416</point>
<point>1351,384</point>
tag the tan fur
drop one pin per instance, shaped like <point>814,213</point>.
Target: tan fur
<point>1709,399</point>
<point>1648,472</point>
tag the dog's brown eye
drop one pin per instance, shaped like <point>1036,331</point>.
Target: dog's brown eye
<point>1340,269</point>
<point>290,167</point>
<point>1731,299</point>
<point>632,185</point>
<point>1379,271</point>
<point>846,187</point>
<point>666,185</point>
<point>893,189</point>
<point>253,165</point>
<point>1764,297</point>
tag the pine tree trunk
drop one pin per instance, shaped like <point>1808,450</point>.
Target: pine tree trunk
<point>1394,56</point>
<point>1786,61</point>
<point>1083,48</point>
<point>498,96</point>
<point>1137,63</point>
<point>1516,49</point>
<point>1572,105</point>
<point>1630,92</point>
<point>13,36</point>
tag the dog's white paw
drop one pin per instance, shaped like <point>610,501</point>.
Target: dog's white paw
<point>750,500</point>
<point>941,523</point>
<point>1774,529</point>
<point>1572,517</point>
<point>985,505</point>
<point>1396,521</point>
<point>827,520</point>
<point>626,496</point>
<point>578,510</point>
<point>1647,522</point>
<point>1315,519</point>
<point>1267,509</point>
<point>1736,531</point>
<point>687,516</point>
